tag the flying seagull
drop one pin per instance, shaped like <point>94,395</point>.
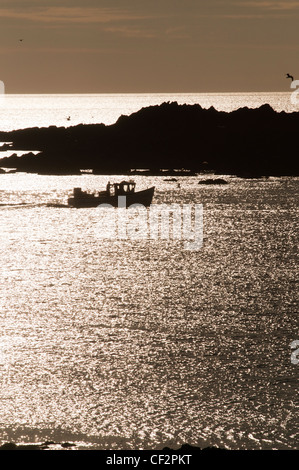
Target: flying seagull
<point>290,76</point>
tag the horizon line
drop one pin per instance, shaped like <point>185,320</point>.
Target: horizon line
<point>148,92</point>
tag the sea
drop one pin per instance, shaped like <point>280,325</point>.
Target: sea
<point>135,342</point>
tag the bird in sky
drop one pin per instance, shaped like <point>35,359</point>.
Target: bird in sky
<point>290,76</point>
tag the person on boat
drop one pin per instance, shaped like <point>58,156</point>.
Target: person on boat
<point>108,188</point>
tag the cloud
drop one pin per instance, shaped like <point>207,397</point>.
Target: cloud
<point>255,10</point>
<point>177,32</point>
<point>67,15</point>
<point>274,5</point>
<point>131,32</point>
<point>271,5</point>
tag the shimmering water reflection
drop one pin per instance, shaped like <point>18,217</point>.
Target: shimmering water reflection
<point>142,344</point>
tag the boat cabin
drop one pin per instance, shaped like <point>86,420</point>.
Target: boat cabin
<point>121,189</point>
<point>115,189</point>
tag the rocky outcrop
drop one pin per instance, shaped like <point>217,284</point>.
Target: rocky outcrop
<point>213,181</point>
<point>258,142</point>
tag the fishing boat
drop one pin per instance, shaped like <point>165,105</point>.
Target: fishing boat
<point>116,194</point>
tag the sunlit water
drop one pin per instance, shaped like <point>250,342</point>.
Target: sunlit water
<point>135,344</point>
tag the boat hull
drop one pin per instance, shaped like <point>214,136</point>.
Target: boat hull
<point>140,197</point>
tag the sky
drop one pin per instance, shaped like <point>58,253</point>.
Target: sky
<point>148,46</point>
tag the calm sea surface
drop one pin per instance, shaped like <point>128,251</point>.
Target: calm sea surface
<point>139,344</point>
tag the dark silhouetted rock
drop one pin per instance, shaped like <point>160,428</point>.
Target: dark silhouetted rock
<point>213,181</point>
<point>187,448</point>
<point>258,142</point>
<point>67,445</point>
<point>9,446</point>
<point>13,446</point>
